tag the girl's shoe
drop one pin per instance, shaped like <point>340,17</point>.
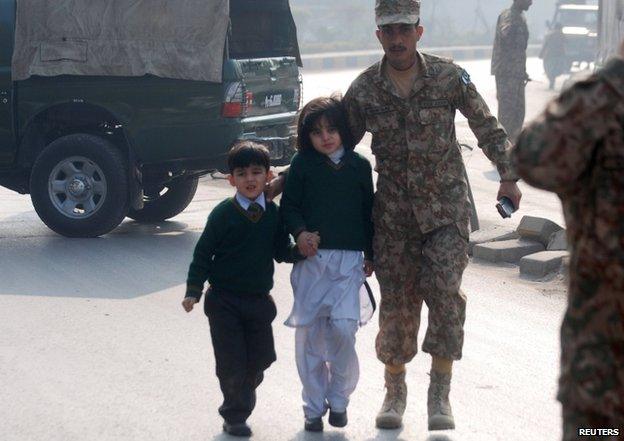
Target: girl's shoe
<point>338,419</point>
<point>313,424</point>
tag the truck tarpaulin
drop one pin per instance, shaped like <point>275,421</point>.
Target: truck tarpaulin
<point>181,39</point>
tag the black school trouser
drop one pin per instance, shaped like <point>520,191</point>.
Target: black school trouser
<point>242,339</point>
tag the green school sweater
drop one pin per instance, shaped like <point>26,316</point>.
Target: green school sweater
<point>236,254</point>
<point>334,199</point>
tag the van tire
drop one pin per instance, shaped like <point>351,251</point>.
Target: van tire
<point>86,172</point>
<point>159,207</point>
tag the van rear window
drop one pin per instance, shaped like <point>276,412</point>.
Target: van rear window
<point>262,28</point>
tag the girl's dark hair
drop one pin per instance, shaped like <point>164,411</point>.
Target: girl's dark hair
<point>332,109</point>
<point>246,153</point>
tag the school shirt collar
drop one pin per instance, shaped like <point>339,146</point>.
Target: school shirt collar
<point>337,155</point>
<point>347,157</point>
<point>245,203</point>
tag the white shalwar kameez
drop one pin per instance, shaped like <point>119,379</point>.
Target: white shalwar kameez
<point>326,313</point>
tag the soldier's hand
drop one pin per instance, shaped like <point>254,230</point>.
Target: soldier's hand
<point>188,303</point>
<point>510,189</point>
<point>274,188</point>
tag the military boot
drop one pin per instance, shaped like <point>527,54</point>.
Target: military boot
<point>438,405</point>
<point>391,414</point>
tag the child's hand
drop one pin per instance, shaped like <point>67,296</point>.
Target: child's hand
<point>369,267</point>
<point>308,243</point>
<point>188,303</point>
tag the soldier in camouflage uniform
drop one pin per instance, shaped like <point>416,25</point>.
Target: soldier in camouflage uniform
<point>408,102</point>
<point>576,149</point>
<point>509,66</point>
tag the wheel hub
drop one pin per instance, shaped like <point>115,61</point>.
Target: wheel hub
<point>79,187</point>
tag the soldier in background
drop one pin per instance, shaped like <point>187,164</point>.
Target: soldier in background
<point>576,149</point>
<point>554,54</point>
<point>408,102</point>
<point>509,66</point>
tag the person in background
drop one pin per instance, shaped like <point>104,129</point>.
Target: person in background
<point>554,54</point>
<point>509,66</point>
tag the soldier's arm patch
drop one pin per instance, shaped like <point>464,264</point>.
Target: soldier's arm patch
<point>465,77</point>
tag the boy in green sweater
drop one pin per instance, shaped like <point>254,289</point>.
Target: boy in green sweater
<point>235,254</point>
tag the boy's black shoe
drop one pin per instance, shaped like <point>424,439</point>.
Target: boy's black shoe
<point>237,429</point>
<point>313,424</point>
<point>338,419</point>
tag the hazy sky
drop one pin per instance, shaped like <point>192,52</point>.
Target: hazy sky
<point>460,14</point>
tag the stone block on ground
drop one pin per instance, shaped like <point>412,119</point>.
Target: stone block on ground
<point>558,241</point>
<point>493,235</point>
<point>537,228</point>
<point>543,263</point>
<point>510,251</point>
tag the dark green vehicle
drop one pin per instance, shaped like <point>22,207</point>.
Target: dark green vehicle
<point>95,132</point>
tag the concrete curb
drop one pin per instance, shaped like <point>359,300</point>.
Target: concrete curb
<point>485,236</point>
<point>510,251</point>
<point>363,59</point>
<point>543,263</point>
<point>540,249</point>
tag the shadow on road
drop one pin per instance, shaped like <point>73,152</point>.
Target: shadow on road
<point>135,260</point>
<point>330,436</point>
<point>438,437</point>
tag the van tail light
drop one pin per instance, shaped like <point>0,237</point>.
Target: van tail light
<point>234,105</point>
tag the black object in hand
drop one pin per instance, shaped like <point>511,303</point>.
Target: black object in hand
<point>505,207</point>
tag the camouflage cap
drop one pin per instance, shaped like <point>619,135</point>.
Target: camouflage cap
<point>396,11</point>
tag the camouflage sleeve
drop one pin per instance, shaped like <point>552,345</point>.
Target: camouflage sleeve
<point>491,136</point>
<point>555,149</point>
<point>355,114</point>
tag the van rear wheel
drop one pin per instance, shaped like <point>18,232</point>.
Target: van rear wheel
<point>79,186</point>
<point>165,201</point>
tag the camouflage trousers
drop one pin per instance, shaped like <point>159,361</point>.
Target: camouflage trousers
<point>413,267</point>
<point>510,92</point>
<point>591,386</point>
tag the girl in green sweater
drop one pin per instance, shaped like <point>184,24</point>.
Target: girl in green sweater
<point>326,206</point>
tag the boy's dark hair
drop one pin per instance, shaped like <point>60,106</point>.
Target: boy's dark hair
<point>332,109</point>
<point>246,153</point>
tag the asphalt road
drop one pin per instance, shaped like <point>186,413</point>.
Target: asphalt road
<point>94,344</point>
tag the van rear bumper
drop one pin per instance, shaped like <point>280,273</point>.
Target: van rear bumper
<point>277,132</point>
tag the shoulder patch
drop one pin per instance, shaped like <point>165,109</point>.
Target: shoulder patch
<point>465,77</point>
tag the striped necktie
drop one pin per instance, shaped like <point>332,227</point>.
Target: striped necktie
<point>255,211</point>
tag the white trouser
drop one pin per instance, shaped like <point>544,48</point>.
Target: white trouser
<point>327,364</point>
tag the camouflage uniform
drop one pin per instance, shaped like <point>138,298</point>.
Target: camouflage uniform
<point>421,207</point>
<point>576,149</point>
<point>509,67</point>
